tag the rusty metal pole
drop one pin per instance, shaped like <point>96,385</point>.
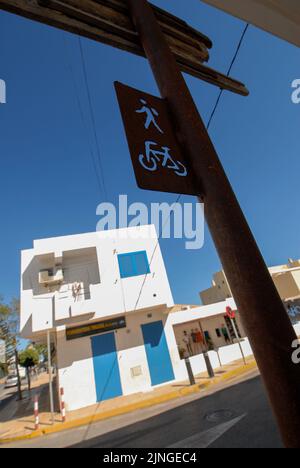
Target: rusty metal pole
<point>266,322</point>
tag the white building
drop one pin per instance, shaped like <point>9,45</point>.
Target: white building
<point>2,352</point>
<point>106,300</point>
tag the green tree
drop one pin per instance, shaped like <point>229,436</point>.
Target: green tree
<point>42,350</point>
<point>28,359</point>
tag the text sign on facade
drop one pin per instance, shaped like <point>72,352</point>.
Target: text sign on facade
<point>156,156</point>
<point>95,328</point>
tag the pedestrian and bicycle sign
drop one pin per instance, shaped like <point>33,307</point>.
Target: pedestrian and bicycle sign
<point>157,158</point>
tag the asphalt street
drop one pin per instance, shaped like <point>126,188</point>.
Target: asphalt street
<point>237,416</point>
<point>5,395</point>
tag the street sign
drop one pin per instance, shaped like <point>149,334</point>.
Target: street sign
<point>109,22</point>
<point>157,158</point>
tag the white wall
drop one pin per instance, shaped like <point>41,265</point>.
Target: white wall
<point>75,371</point>
<point>75,360</point>
<point>131,351</point>
<point>41,309</point>
<point>211,318</point>
<point>209,324</point>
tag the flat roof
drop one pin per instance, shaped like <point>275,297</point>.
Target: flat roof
<point>278,17</point>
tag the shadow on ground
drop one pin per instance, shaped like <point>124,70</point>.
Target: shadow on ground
<point>256,430</point>
<point>14,409</point>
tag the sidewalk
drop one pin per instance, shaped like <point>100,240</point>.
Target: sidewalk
<point>17,421</point>
<point>16,416</point>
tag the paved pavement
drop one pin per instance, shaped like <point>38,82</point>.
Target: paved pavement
<point>7,395</point>
<point>17,418</point>
<point>235,416</point>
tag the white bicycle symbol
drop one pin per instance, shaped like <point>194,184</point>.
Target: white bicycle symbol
<point>153,157</point>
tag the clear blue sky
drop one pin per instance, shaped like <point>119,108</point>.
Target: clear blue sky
<point>48,184</point>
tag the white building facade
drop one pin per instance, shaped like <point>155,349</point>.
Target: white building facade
<point>103,297</point>
<point>106,301</point>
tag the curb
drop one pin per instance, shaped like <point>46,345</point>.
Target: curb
<point>132,407</point>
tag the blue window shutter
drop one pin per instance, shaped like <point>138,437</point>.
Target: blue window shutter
<point>133,264</point>
<point>141,263</point>
<point>126,265</point>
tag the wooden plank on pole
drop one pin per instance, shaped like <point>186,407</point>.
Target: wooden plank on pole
<point>108,21</point>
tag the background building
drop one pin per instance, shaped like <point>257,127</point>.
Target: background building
<point>2,352</point>
<point>218,292</point>
<point>2,357</point>
<point>286,279</point>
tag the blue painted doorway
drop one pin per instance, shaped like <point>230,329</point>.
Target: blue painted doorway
<point>106,367</point>
<point>158,356</point>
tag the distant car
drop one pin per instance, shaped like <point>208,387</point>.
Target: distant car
<point>11,381</point>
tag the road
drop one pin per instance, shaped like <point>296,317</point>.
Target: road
<point>233,417</point>
<point>5,394</point>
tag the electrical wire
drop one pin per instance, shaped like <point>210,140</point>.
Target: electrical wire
<point>93,120</point>
<point>228,73</point>
<point>82,117</point>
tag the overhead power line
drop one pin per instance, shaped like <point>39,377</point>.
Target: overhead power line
<point>228,73</point>
<point>84,123</point>
<point>93,120</point>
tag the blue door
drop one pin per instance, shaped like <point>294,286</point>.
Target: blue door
<point>157,352</point>
<point>106,367</point>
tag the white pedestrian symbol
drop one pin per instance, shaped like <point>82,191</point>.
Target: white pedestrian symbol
<point>151,114</point>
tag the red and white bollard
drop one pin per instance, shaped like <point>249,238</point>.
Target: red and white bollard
<point>36,413</point>
<point>62,405</point>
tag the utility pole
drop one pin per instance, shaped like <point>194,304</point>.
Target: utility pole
<point>209,367</point>
<point>266,322</point>
<point>238,339</point>
<point>50,377</point>
<point>20,396</point>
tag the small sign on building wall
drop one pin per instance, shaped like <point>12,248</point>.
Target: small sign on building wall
<point>95,328</point>
<point>158,160</point>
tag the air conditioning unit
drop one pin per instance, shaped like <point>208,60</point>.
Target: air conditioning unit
<point>50,278</point>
